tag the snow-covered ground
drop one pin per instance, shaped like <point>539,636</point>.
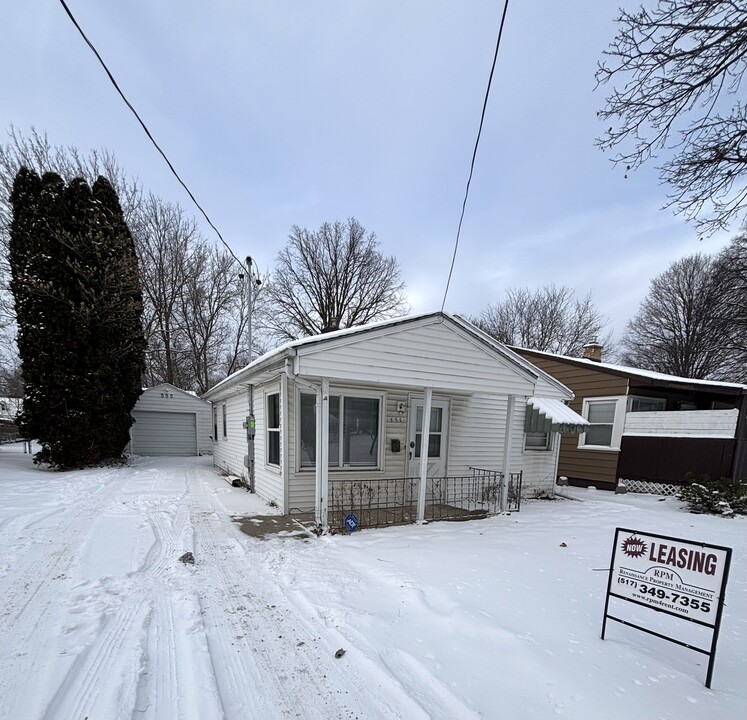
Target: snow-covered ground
<point>498,618</point>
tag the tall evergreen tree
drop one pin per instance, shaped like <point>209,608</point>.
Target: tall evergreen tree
<point>78,301</point>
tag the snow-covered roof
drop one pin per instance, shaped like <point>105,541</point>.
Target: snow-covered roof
<point>190,393</point>
<point>278,353</point>
<point>636,372</point>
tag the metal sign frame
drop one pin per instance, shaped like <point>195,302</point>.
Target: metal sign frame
<point>654,588</point>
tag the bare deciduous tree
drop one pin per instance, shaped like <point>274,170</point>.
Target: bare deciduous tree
<point>731,280</point>
<point>213,315</point>
<point>681,327</point>
<point>332,278</point>
<point>676,72</point>
<point>166,239</point>
<point>550,319</point>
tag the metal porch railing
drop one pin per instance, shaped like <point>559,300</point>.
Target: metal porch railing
<point>394,501</point>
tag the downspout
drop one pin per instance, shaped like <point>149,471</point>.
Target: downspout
<point>250,439</point>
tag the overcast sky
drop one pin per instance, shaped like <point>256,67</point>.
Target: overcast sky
<point>293,112</point>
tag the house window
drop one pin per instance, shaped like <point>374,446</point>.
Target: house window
<point>354,423</point>
<point>605,426</point>
<point>637,403</point>
<point>537,441</point>
<point>273,429</point>
<point>215,424</point>
<point>435,431</point>
<point>225,421</point>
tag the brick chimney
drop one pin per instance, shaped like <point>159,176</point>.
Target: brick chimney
<point>593,351</point>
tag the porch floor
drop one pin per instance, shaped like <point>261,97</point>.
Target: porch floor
<point>404,515</point>
<point>298,526</point>
<point>301,525</point>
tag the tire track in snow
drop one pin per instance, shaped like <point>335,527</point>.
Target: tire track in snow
<point>80,695</point>
<point>150,660</point>
<point>233,663</point>
<point>176,679</point>
<point>28,599</point>
<point>271,648</point>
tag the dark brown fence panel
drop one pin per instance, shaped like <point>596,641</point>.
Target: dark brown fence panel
<point>669,459</point>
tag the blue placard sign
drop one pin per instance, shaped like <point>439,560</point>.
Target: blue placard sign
<point>351,522</point>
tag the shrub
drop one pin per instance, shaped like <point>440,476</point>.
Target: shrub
<point>716,497</point>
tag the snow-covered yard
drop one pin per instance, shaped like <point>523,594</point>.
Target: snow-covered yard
<point>498,618</point>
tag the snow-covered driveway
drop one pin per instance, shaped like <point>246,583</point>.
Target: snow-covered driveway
<point>497,618</point>
<point>101,620</point>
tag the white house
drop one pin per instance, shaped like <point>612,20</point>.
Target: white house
<point>170,421</point>
<point>321,414</point>
<point>10,407</point>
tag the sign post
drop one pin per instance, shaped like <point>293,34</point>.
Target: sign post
<point>678,577</point>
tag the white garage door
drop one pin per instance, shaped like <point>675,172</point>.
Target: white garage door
<point>164,433</point>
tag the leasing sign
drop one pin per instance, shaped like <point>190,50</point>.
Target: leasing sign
<point>679,577</point>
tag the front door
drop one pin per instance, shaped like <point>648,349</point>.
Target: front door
<point>437,439</point>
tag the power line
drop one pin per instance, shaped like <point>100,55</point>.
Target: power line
<point>147,132</point>
<point>474,153</point>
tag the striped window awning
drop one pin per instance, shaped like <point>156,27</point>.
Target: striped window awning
<point>550,415</point>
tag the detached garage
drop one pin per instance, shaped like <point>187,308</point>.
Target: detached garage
<point>171,422</point>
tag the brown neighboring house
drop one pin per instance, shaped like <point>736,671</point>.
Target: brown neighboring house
<point>646,426</point>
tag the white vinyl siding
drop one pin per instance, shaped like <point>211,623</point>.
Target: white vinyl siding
<point>683,423</point>
<point>420,355</point>
<point>229,452</point>
<point>268,479</point>
<point>477,433</point>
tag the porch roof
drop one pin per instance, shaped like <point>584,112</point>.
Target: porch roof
<point>550,415</point>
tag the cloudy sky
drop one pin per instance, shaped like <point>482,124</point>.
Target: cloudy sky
<point>297,112</point>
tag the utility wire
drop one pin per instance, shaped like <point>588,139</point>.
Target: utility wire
<point>474,153</point>
<point>147,132</point>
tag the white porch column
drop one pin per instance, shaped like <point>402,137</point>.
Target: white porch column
<point>424,441</point>
<point>322,453</point>
<point>507,443</point>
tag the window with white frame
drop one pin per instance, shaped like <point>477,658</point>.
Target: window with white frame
<point>273,429</point>
<point>354,429</point>
<point>606,417</point>
<point>537,441</point>
<point>215,423</point>
<point>225,421</point>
